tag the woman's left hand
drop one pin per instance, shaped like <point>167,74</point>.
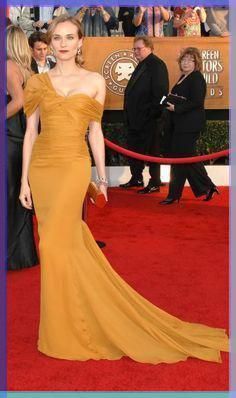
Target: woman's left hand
<point>103,189</point>
<point>170,107</point>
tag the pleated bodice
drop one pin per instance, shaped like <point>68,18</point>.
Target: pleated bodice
<point>64,119</point>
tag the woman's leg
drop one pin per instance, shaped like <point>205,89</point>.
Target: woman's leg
<point>178,175</point>
<point>178,172</point>
<point>197,176</point>
<point>184,145</point>
<point>199,180</point>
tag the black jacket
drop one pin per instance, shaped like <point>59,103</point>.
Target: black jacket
<point>147,85</point>
<point>189,116</point>
<point>34,65</point>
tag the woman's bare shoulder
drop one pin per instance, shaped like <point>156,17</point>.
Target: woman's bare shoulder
<point>95,76</point>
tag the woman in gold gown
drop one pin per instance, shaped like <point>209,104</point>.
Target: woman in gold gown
<point>87,310</point>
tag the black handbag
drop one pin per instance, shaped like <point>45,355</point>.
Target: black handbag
<point>173,99</point>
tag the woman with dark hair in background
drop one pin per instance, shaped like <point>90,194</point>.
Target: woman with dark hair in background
<point>21,247</point>
<point>186,121</point>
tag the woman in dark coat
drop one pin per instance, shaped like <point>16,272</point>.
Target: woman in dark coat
<point>186,120</point>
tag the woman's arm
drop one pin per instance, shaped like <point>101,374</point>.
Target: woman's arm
<point>30,137</point>
<point>96,139</point>
<point>81,13</point>
<point>202,14</point>
<point>109,18</point>
<point>166,16</point>
<point>14,88</point>
<point>197,93</point>
<point>138,16</point>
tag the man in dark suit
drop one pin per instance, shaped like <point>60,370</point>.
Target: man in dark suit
<point>147,85</point>
<point>38,43</point>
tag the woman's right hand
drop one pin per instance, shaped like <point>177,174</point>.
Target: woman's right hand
<point>170,107</point>
<point>25,196</point>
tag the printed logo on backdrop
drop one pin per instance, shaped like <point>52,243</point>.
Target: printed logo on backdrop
<point>117,69</point>
<point>212,67</point>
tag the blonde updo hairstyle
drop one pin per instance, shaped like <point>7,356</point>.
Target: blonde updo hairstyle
<point>66,18</point>
<point>18,50</point>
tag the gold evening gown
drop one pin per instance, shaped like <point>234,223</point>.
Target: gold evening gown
<point>87,310</point>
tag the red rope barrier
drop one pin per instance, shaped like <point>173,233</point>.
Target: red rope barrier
<point>161,160</point>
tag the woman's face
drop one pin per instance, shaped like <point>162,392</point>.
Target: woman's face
<point>65,41</point>
<point>187,64</point>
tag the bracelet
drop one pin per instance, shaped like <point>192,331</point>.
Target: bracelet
<point>102,180</point>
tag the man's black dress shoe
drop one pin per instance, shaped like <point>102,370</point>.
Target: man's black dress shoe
<point>149,189</point>
<point>169,201</point>
<point>210,193</point>
<point>132,183</point>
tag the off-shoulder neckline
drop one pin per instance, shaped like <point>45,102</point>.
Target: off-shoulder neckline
<point>69,96</point>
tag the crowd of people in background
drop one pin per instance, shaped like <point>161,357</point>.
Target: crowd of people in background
<point>155,21</point>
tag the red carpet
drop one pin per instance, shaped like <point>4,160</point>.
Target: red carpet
<point>176,256</point>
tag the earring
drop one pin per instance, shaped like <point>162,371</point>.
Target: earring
<point>79,51</point>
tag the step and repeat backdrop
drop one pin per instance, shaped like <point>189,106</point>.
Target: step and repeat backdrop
<point>114,59</point>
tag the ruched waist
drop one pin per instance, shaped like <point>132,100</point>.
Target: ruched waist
<point>60,147</point>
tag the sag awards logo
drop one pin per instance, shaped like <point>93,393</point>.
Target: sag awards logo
<point>117,69</point>
<point>212,68</point>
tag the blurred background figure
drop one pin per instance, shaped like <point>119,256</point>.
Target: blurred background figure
<point>38,43</point>
<point>125,16</point>
<point>59,11</point>
<point>218,21</point>
<point>71,11</point>
<point>149,21</point>
<point>187,20</point>
<point>13,14</point>
<point>26,18</point>
<point>97,21</point>
<point>30,19</point>
<point>21,247</point>
<point>45,15</point>
<point>168,27</point>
